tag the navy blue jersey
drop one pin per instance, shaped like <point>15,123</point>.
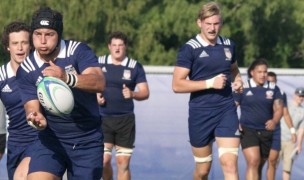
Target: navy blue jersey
<point>130,72</point>
<point>20,133</point>
<point>256,103</point>
<point>84,121</point>
<point>204,62</point>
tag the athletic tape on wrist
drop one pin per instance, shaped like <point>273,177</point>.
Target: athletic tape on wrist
<point>292,130</point>
<point>71,79</point>
<point>209,83</point>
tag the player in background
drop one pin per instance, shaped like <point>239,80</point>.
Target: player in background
<point>74,142</point>
<point>16,41</point>
<point>207,68</point>
<point>261,109</point>
<point>276,143</point>
<point>288,145</point>
<point>2,130</point>
<point>126,81</point>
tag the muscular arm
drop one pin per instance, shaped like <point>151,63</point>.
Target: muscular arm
<point>181,84</point>
<point>91,80</point>
<point>34,114</point>
<point>237,83</point>
<point>142,93</point>
<point>277,110</point>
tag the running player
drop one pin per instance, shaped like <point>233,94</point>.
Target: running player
<point>72,143</point>
<point>206,67</point>
<point>261,109</point>
<point>16,41</point>
<point>276,141</point>
<point>123,75</point>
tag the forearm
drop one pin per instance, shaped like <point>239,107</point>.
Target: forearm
<point>90,82</point>
<point>300,136</point>
<point>188,86</point>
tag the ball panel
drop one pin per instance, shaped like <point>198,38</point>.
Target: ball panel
<point>55,96</point>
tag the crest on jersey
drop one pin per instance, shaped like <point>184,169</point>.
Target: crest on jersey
<point>269,94</point>
<point>126,74</point>
<point>70,69</point>
<point>228,54</point>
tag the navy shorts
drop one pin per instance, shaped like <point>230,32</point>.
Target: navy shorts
<point>261,138</point>
<point>15,154</point>
<point>276,139</point>
<point>119,130</point>
<point>205,124</point>
<point>81,161</point>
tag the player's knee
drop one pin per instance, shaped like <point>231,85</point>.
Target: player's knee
<point>107,155</point>
<point>222,151</point>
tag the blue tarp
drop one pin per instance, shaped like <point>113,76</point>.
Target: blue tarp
<point>162,149</point>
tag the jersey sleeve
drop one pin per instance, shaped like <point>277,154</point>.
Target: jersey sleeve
<point>141,75</point>
<point>184,57</point>
<point>86,57</point>
<point>28,89</point>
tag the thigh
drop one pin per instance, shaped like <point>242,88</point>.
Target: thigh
<point>201,126</point>
<point>86,160</point>
<point>276,140</point>
<point>126,131</point>
<point>249,138</point>
<point>266,139</point>
<point>107,129</point>
<point>49,159</point>
<point>228,125</point>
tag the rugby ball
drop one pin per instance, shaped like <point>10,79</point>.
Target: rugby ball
<point>55,96</point>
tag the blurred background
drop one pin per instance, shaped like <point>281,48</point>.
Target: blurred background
<point>270,29</point>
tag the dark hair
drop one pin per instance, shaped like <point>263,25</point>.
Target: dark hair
<point>45,17</point>
<point>257,62</point>
<point>15,26</point>
<point>118,35</point>
<point>272,74</point>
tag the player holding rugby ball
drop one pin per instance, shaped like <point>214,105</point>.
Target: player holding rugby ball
<point>74,142</point>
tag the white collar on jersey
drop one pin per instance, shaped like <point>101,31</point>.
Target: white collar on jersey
<point>123,63</point>
<point>60,55</point>
<point>204,43</point>
<point>253,84</point>
<point>10,72</point>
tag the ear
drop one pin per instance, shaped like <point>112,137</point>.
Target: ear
<point>199,23</point>
<point>8,49</point>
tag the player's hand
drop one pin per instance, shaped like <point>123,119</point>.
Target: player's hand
<point>54,71</point>
<point>126,92</point>
<point>237,86</point>
<point>294,138</point>
<point>219,81</point>
<point>270,125</point>
<point>36,120</point>
<point>100,99</point>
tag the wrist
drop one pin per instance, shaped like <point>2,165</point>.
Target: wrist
<point>209,83</point>
<point>292,130</point>
<point>71,79</point>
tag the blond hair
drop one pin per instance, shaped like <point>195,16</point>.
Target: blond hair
<point>208,10</point>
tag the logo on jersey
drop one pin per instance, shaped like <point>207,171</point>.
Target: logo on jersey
<point>228,54</point>
<point>44,22</point>
<point>269,94</point>
<point>126,74</point>
<point>104,69</point>
<point>249,93</point>
<point>38,80</point>
<point>70,69</point>
<point>204,54</point>
<point>237,133</point>
<point>6,88</point>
